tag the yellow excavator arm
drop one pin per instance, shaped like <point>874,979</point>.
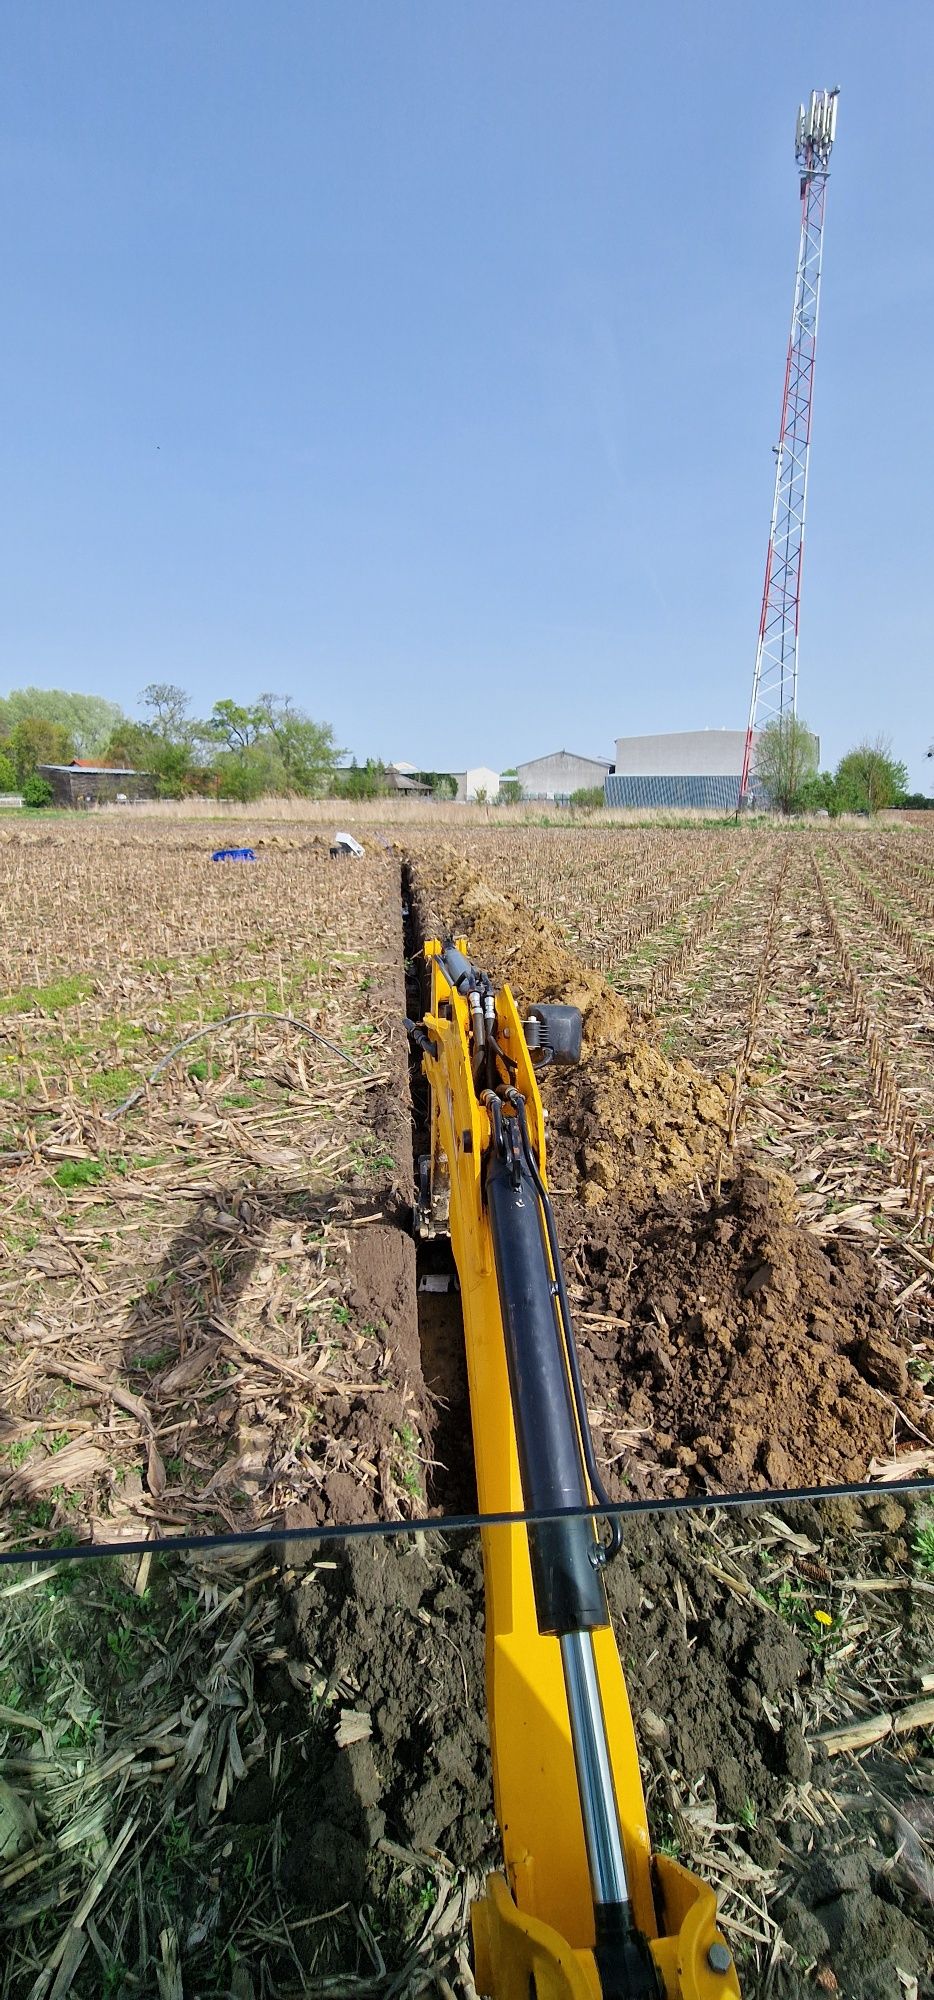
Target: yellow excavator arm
<point>585,1911</point>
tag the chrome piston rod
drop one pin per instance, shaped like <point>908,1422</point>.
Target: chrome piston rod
<point>602,1838</point>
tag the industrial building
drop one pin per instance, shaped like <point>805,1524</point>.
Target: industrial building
<point>480,779</point>
<point>557,776</point>
<point>685,767</point>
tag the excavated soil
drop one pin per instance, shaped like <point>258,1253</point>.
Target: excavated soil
<point>723,1347</point>
<point>720,1685</point>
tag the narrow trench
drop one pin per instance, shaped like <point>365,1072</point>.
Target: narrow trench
<point>452,1486</point>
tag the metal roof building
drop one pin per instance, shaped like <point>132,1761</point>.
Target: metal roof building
<point>560,774</point>
<point>81,783</point>
<point>685,767</point>
<point>480,779</point>
<point>701,768</point>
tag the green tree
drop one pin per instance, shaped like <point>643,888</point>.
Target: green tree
<point>238,727</point>
<point>138,746</point>
<point>360,781</point>
<point>171,766</point>
<point>37,791</point>
<point>588,798</point>
<point>869,779</point>
<point>243,777</point>
<point>34,741</point>
<point>785,757</point>
<point>131,744</point>
<point>307,749</point>
<point>8,781</point>
<point>87,719</point>
<point>441,784</point>
<point>510,790</point>
<point>818,793</point>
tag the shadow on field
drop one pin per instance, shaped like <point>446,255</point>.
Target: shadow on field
<point>272,1360</point>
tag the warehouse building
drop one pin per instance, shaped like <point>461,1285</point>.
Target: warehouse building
<point>481,779</point>
<point>557,776</point>
<point>684,767</point>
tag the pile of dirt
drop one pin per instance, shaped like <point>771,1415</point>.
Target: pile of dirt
<point>397,1627</point>
<point>719,1685</point>
<point>643,1122</point>
<point>749,1353</point>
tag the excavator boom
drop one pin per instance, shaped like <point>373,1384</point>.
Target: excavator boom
<point>585,1911</point>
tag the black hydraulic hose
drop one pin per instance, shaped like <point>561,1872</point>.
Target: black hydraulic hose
<point>507,1061</point>
<point>567,1329</point>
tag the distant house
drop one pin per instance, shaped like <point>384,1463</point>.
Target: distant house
<point>82,783</point>
<point>559,775</point>
<point>480,779</point>
<point>402,778</point>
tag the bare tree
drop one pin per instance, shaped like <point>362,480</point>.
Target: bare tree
<point>168,707</point>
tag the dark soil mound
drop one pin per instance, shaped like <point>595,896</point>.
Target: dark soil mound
<point>718,1681</point>
<point>748,1352</point>
<point>401,1624</point>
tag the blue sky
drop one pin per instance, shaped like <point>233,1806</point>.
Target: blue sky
<point>424,361</point>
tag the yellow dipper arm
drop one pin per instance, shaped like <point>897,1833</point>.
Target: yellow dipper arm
<point>542,1925</point>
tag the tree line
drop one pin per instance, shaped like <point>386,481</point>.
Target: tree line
<point>868,779</point>
<point>237,752</point>
<point>244,752</point>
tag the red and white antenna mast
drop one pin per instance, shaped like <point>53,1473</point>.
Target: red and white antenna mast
<point>775,679</point>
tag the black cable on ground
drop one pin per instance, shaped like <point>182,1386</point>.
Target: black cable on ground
<point>453,1524</point>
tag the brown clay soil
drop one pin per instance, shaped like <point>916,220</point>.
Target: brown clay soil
<point>723,1346</point>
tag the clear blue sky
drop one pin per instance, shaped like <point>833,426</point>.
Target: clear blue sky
<point>424,361</point>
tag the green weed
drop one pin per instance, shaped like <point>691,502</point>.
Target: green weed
<point>79,1173</point>
<point>52,998</point>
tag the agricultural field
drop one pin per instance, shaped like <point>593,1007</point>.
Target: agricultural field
<point>265,1769</point>
<point>206,1302</point>
<point>209,1314</point>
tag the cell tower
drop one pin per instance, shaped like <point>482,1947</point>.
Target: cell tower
<point>775,679</point>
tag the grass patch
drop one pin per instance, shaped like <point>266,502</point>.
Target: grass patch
<point>111,1085</point>
<point>52,998</point>
<point>79,1173</point>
